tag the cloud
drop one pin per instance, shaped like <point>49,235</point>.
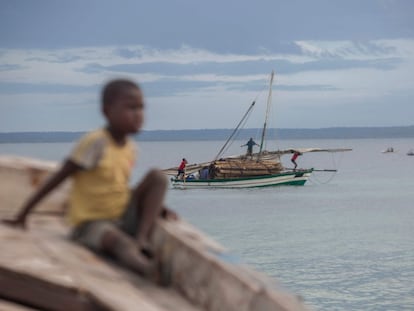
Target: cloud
<point>143,59</point>
<point>10,67</point>
<point>44,88</point>
<point>171,71</point>
<point>237,69</point>
<point>318,74</point>
<point>355,50</point>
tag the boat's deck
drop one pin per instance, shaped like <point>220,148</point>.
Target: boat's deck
<point>42,269</point>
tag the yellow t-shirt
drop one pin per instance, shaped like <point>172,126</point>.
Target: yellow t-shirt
<point>101,189</point>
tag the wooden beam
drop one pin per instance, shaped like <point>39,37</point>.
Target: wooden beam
<point>38,293</point>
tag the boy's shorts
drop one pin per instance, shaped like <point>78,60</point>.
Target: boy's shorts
<point>90,233</point>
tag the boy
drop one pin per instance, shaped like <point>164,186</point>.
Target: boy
<point>107,216</point>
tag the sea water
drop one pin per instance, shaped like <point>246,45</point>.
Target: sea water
<point>344,241</point>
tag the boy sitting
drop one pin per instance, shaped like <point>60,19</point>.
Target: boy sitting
<point>106,215</point>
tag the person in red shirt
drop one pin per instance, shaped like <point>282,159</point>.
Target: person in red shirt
<point>181,168</point>
<point>294,157</point>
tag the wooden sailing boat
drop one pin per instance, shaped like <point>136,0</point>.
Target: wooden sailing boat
<point>261,169</point>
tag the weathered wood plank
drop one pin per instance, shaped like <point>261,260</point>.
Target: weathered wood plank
<point>29,275</point>
<point>20,177</point>
<point>36,291</point>
<point>50,272</point>
<point>211,279</point>
<point>11,306</point>
<point>93,272</point>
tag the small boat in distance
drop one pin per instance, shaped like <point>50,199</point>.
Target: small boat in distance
<point>261,169</point>
<point>410,152</point>
<point>389,150</point>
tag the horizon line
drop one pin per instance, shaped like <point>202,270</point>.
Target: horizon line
<point>214,129</point>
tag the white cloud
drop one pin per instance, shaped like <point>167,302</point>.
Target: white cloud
<point>354,85</point>
<point>64,65</point>
<point>356,50</point>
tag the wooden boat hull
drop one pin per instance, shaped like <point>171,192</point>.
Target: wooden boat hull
<point>296,178</point>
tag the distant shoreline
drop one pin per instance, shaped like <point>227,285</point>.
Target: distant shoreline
<point>222,134</point>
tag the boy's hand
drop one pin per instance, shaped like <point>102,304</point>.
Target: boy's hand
<point>169,214</point>
<point>18,222</point>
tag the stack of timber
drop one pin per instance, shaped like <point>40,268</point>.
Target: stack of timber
<point>235,168</point>
<point>41,269</point>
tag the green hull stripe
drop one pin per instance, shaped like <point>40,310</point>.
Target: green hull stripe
<point>296,174</point>
<point>288,183</point>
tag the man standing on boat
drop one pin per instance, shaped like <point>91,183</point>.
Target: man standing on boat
<point>294,157</point>
<point>181,169</point>
<point>250,145</point>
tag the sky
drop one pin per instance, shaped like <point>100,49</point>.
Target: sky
<point>201,63</point>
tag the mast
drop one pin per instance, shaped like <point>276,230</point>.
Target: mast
<point>235,130</point>
<point>269,102</point>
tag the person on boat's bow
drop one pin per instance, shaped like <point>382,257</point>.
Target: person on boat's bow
<point>181,169</point>
<point>105,214</point>
<point>296,154</point>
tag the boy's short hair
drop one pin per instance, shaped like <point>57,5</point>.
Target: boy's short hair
<point>114,88</point>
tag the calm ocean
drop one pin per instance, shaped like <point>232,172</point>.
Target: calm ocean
<point>342,242</point>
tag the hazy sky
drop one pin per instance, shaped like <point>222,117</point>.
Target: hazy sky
<point>201,63</point>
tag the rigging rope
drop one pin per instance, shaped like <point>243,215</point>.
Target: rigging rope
<point>240,126</point>
<point>315,180</point>
<point>236,135</point>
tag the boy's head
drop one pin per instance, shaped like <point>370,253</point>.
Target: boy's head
<point>123,105</point>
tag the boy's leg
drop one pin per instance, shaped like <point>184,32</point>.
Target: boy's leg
<point>149,197</point>
<point>124,249</point>
<point>104,236</point>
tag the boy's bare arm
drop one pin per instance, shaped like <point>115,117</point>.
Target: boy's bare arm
<point>68,168</point>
